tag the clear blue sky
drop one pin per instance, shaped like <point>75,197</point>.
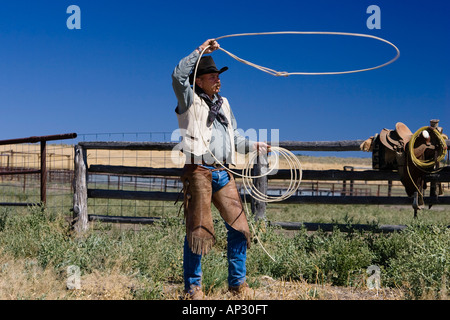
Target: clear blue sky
<point>113,75</point>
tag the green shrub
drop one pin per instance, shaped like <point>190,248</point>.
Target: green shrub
<point>422,262</point>
<point>343,258</point>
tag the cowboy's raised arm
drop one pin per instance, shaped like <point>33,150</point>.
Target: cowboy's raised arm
<point>180,76</point>
<point>180,81</point>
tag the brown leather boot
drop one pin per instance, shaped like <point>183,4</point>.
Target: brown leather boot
<point>242,291</point>
<point>195,293</point>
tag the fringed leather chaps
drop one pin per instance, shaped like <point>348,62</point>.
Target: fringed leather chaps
<point>197,208</point>
<point>228,201</point>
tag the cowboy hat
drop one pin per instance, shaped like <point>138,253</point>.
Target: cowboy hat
<point>205,66</point>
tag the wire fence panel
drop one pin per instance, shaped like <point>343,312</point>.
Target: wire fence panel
<point>130,182</point>
<point>21,179</point>
<point>34,174</point>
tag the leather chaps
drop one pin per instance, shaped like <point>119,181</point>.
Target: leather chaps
<point>198,196</point>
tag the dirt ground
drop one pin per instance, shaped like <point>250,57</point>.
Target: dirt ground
<point>271,289</point>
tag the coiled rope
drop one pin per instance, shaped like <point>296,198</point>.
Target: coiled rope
<point>427,166</point>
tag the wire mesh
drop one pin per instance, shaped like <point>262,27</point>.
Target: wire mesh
<point>25,188</point>
<point>18,188</point>
<point>131,158</point>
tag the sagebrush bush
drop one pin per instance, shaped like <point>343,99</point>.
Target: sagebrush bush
<point>422,260</point>
<point>343,258</point>
<point>335,258</point>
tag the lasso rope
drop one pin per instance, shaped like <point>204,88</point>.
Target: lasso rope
<point>293,162</point>
<point>285,74</point>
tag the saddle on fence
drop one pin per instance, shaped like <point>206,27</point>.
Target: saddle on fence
<point>392,150</point>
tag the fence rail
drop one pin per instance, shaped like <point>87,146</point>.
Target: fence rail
<point>82,171</point>
<point>343,145</point>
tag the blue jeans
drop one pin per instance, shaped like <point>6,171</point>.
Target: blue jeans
<point>236,249</point>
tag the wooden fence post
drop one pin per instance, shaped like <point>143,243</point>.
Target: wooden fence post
<point>43,172</point>
<point>80,214</point>
<point>260,167</point>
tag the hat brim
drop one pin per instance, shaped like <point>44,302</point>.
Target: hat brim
<point>207,71</point>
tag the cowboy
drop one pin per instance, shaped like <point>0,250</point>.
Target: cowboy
<point>210,137</point>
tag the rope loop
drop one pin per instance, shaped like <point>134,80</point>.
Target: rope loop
<point>282,74</point>
<point>285,74</point>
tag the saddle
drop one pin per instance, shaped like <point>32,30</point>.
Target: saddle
<point>391,150</point>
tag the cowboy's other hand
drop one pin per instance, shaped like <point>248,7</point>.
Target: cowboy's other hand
<point>262,147</point>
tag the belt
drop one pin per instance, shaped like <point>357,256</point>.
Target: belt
<point>204,163</point>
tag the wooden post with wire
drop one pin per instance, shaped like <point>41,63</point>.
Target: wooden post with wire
<point>80,195</point>
<point>259,169</point>
<point>43,172</point>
